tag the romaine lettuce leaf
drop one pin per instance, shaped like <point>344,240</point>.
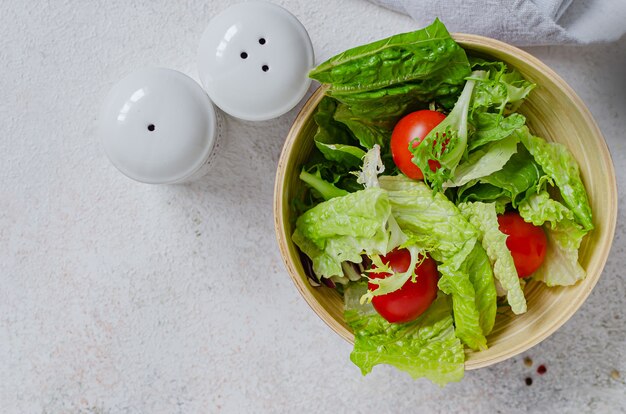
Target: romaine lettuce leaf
<point>426,347</point>
<point>369,131</point>
<point>484,161</point>
<point>333,139</point>
<point>520,175</point>
<point>344,228</point>
<point>483,216</point>
<point>433,220</point>
<point>559,164</point>
<point>324,188</point>
<point>560,266</point>
<point>397,59</point>
<point>436,225</point>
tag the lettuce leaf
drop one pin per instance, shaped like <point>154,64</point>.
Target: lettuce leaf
<point>400,58</point>
<point>491,127</point>
<point>324,188</point>
<point>447,151</point>
<point>435,224</point>
<point>484,161</point>
<point>332,138</point>
<point>501,90</point>
<point>369,131</point>
<point>344,228</point>
<point>559,164</point>
<point>431,219</point>
<point>426,347</point>
<point>560,266</point>
<point>483,216</point>
<point>519,176</point>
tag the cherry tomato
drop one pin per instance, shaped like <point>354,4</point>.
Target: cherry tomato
<point>526,242</point>
<point>413,298</point>
<point>414,125</point>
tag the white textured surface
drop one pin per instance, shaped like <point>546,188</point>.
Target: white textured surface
<point>118,297</point>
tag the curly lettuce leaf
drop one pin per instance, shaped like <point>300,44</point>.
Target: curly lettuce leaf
<point>490,127</point>
<point>344,228</point>
<point>560,266</point>
<point>483,216</point>
<point>501,90</point>
<point>559,164</point>
<point>447,142</point>
<point>395,280</point>
<point>371,169</point>
<point>426,347</point>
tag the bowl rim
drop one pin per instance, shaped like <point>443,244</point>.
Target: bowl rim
<point>465,40</point>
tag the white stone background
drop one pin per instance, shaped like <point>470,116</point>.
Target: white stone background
<point>118,297</point>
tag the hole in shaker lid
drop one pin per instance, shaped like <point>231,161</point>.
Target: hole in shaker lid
<point>262,40</point>
<point>265,68</point>
<point>151,127</point>
<point>243,55</point>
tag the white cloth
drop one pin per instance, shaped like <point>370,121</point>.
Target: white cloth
<point>523,22</point>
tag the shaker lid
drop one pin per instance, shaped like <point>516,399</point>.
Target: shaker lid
<point>157,125</point>
<point>254,59</point>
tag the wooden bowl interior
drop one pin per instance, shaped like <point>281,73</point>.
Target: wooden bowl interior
<point>554,112</point>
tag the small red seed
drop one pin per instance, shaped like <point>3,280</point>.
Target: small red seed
<point>541,369</point>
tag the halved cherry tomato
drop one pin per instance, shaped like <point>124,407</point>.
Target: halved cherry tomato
<point>526,242</point>
<point>413,298</point>
<point>414,125</point>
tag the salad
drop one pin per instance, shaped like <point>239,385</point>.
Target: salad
<point>428,202</point>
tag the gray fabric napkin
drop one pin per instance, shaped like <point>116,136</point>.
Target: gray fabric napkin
<point>523,22</point>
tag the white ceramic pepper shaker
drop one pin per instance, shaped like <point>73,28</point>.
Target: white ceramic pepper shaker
<point>254,59</point>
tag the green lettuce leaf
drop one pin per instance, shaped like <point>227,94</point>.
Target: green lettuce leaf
<point>381,81</point>
<point>483,216</point>
<point>447,151</point>
<point>333,139</point>
<point>324,188</point>
<point>560,266</point>
<point>559,164</point>
<point>344,228</point>
<point>484,161</point>
<point>426,347</point>
<point>473,297</point>
<point>519,176</point>
<point>501,90</point>
<point>436,225</point>
<point>397,59</point>
<point>433,220</point>
<point>489,127</point>
<point>368,131</point>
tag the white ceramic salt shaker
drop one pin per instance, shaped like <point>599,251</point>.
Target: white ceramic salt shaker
<point>254,59</point>
<point>158,126</point>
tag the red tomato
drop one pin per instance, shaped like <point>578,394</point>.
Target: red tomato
<point>412,299</point>
<point>526,242</point>
<point>414,125</point>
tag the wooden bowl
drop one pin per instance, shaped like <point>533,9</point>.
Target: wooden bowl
<point>553,111</point>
